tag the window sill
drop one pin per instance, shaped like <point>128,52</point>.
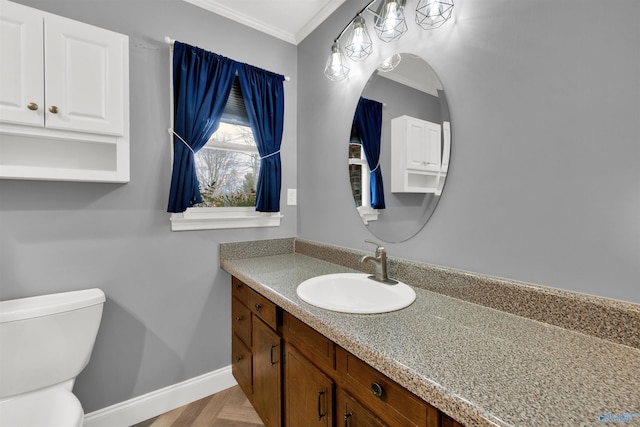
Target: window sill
<point>222,218</point>
<point>368,214</point>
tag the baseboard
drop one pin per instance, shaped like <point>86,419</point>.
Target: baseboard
<point>157,402</point>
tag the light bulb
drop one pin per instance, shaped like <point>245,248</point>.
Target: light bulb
<point>336,69</point>
<point>391,24</point>
<point>433,13</point>
<point>359,45</point>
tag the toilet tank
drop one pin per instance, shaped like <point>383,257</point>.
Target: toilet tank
<point>47,340</point>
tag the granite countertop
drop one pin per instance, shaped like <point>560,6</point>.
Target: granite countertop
<point>481,366</point>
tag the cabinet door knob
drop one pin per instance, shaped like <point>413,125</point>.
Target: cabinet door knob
<point>32,106</point>
<point>377,389</point>
<point>53,109</point>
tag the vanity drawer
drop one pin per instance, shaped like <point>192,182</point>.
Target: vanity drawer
<point>311,343</point>
<point>387,399</point>
<point>241,365</point>
<point>259,305</point>
<point>241,321</point>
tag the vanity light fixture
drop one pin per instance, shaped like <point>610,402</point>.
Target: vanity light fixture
<point>359,45</point>
<point>336,69</point>
<point>433,13</point>
<point>389,24</point>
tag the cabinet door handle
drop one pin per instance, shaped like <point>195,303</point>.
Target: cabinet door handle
<point>377,389</point>
<point>53,109</point>
<point>320,414</point>
<point>258,307</point>
<point>273,362</point>
<point>32,106</point>
<point>347,419</point>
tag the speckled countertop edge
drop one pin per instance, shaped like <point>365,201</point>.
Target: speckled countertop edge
<point>464,410</point>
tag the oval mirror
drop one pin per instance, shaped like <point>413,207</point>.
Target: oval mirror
<point>399,148</point>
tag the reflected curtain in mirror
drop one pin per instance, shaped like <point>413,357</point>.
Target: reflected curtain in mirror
<point>263,94</point>
<point>368,125</point>
<point>201,84</point>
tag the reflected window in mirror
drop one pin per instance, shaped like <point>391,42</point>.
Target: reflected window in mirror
<point>359,175</point>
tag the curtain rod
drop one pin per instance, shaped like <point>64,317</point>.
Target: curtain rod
<point>168,40</point>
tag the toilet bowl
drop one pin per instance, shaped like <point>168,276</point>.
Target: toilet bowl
<point>45,342</point>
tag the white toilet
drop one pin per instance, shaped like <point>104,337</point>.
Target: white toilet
<point>45,342</point>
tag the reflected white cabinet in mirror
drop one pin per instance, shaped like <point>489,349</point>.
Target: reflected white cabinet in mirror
<point>415,144</point>
<point>416,155</point>
<point>64,98</point>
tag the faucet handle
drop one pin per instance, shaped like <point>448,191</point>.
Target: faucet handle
<point>379,247</point>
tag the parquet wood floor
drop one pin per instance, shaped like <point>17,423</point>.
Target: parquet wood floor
<point>228,408</point>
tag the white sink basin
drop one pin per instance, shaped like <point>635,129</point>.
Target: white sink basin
<point>355,293</point>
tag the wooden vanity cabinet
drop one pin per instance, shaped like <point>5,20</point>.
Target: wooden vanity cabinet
<point>256,351</point>
<point>308,392</point>
<point>295,376</point>
<point>350,413</point>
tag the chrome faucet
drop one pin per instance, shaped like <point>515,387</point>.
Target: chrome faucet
<point>380,259</point>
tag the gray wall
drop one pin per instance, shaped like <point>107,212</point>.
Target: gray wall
<point>544,182</point>
<point>167,316</point>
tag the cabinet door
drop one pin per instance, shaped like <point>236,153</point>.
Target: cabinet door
<point>308,392</point>
<point>84,77</point>
<point>353,414</point>
<point>266,373</point>
<point>21,65</point>
<point>423,145</point>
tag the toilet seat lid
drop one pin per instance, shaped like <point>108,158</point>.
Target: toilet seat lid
<point>54,407</point>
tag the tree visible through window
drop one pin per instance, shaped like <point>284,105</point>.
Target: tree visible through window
<point>227,167</point>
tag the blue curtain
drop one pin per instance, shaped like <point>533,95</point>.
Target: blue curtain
<point>368,123</point>
<point>201,84</point>
<point>263,94</point>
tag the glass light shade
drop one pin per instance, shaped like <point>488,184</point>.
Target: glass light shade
<point>336,69</point>
<point>433,13</point>
<point>391,24</point>
<point>390,63</point>
<point>359,45</point>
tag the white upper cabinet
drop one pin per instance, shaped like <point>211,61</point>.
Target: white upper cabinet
<point>64,98</point>
<point>416,155</point>
<point>84,79</point>
<point>21,35</point>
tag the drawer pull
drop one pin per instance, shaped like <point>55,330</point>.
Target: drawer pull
<point>238,358</point>
<point>347,418</point>
<point>273,361</point>
<point>238,286</point>
<point>320,414</point>
<point>258,307</point>
<point>238,318</point>
<point>377,389</point>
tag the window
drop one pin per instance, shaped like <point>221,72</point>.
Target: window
<point>227,168</point>
<point>359,176</point>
